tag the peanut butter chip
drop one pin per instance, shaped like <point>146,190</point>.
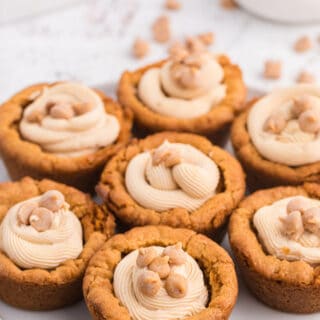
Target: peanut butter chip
<point>176,285</point>
<point>25,211</point>
<point>175,253</point>
<point>228,4</point>
<point>41,219</point>
<point>301,104</point>
<point>146,256</point>
<point>311,219</point>
<point>161,29</point>
<point>206,38</point>
<point>168,157</point>
<point>275,124</point>
<point>309,121</point>
<point>172,4</point>
<point>149,283</point>
<point>272,69</point>
<point>303,44</point>
<point>195,45</point>
<point>293,225</point>
<point>161,266</point>
<point>140,48</point>
<point>297,204</point>
<point>62,111</point>
<point>52,200</point>
<point>82,108</point>
<point>35,116</point>
<point>306,77</point>
<point>178,51</point>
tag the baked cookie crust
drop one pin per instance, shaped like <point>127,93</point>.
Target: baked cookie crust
<point>215,263</point>
<point>24,158</point>
<point>261,172</point>
<point>39,289</point>
<point>291,286</point>
<point>218,119</point>
<point>211,218</point>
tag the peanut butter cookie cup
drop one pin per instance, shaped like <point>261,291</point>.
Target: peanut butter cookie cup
<point>277,139</point>
<point>191,91</point>
<point>175,179</point>
<point>62,131</point>
<point>48,233</point>
<point>160,273</point>
<point>275,237</point>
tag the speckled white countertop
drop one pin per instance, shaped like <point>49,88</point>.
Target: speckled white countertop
<point>91,42</point>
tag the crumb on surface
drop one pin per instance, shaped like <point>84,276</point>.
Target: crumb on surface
<point>140,48</point>
<point>228,4</point>
<point>172,4</point>
<point>161,29</point>
<point>272,69</point>
<point>303,44</point>
<point>305,77</point>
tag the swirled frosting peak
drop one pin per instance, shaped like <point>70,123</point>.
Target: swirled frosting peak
<point>157,283</point>
<point>186,86</point>
<point>69,119</point>
<point>290,228</point>
<point>285,125</point>
<point>41,232</point>
<point>170,176</point>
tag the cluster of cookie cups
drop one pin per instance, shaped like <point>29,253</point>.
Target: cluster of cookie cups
<point>285,285</point>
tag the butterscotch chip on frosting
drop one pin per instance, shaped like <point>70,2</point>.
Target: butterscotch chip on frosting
<point>48,233</point>
<point>66,132</point>
<point>138,293</point>
<point>277,250</point>
<point>182,193</point>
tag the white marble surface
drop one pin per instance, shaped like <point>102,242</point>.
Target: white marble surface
<point>91,41</point>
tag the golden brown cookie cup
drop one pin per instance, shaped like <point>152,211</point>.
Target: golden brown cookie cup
<point>24,158</point>
<point>261,172</point>
<point>39,289</point>
<point>281,284</point>
<point>211,218</point>
<point>215,263</point>
<point>213,124</point>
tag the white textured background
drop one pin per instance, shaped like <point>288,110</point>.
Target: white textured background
<point>91,42</point>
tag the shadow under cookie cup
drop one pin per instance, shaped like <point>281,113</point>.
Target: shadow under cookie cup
<point>25,158</point>
<point>210,218</point>
<point>213,124</point>
<point>40,289</point>
<point>216,265</point>
<point>290,286</point>
<point>260,172</point>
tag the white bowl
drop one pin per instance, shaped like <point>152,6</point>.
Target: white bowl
<point>291,11</point>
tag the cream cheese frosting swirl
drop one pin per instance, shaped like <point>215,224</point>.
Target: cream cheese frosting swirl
<point>171,176</point>
<point>291,234</point>
<point>41,232</point>
<point>69,119</point>
<point>159,306</point>
<point>293,117</point>
<point>161,92</point>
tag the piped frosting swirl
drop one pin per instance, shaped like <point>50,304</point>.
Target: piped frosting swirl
<point>290,228</point>
<point>69,119</point>
<point>41,232</point>
<point>160,283</point>
<point>284,126</point>
<point>186,86</point>
<point>171,176</point>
